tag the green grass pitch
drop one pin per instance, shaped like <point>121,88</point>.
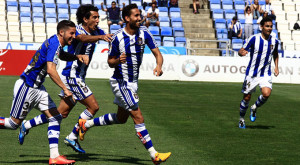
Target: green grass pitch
<point>196,121</point>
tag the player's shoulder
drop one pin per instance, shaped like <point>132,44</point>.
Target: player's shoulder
<point>80,29</point>
<point>117,34</point>
<point>144,29</point>
<point>52,41</point>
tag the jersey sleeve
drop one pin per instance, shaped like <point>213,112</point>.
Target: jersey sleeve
<point>53,51</point>
<point>249,43</point>
<point>149,40</point>
<point>79,31</point>
<point>114,47</point>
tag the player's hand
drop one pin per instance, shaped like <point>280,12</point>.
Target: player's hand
<point>83,58</point>
<point>122,58</point>
<point>157,71</point>
<point>102,3</point>
<point>243,52</point>
<point>69,95</point>
<point>123,4</point>
<point>276,72</point>
<point>107,37</point>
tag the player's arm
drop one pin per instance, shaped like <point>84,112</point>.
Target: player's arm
<point>242,52</point>
<point>91,39</point>
<point>123,6</point>
<point>103,8</point>
<point>276,59</point>
<point>65,56</point>
<point>113,61</point>
<point>159,62</point>
<point>51,70</point>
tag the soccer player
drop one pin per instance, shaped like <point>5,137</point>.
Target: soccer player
<point>29,91</point>
<point>125,55</point>
<point>263,47</point>
<point>73,75</point>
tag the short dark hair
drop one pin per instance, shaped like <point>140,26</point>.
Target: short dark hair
<point>248,7</point>
<point>113,2</point>
<point>127,10</point>
<point>266,19</point>
<point>84,11</point>
<point>234,18</point>
<point>64,24</point>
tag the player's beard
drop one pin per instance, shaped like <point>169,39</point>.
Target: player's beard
<point>134,25</point>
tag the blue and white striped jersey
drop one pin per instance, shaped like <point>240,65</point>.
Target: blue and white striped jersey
<point>36,71</point>
<point>77,69</point>
<point>261,53</point>
<point>236,27</point>
<point>133,46</point>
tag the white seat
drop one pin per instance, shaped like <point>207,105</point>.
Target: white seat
<point>12,16</point>
<point>14,36</point>
<point>13,26</point>
<point>280,15</point>
<point>292,16</point>
<point>289,6</point>
<point>27,37</point>
<point>285,36</point>
<point>277,6</point>
<point>289,45</point>
<point>297,45</point>
<point>26,27</point>
<point>3,26</point>
<point>51,29</point>
<point>39,37</point>
<point>282,25</point>
<point>295,35</point>
<point>73,18</point>
<point>3,35</point>
<point>39,28</point>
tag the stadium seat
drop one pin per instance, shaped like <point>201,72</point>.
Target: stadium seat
<point>63,16</point>
<point>219,33</point>
<point>292,16</point>
<point>13,26</point>
<point>49,1</point>
<point>14,36</point>
<point>37,8</point>
<point>3,26</point>
<point>25,17</point>
<point>26,27</point>
<point>37,17</point>
<point>237,44</point>
<point>86,2</point>
<point>215,4</point>
<point>255,24</point>
<point>114,28</point>
<point>73,8</point>
<point>12,16</point>
<point>137,2</point>
<point>61,2</point>
<point>166,31</point>
<point>51,29</point>
<point>154,30</point>
<point>74,2</point>
<point>217,13</point>
<point>39,37</point>
<point>2,7</point>
<point>229,14</point>
<point>227,4</point>
<point>158,40</point>
<point>175,12</point>
<point>50,8</point>
<point>289,6</point>
<point>289,45</point>
<point>163,11</point>
<point>297,46</point>
<point>180,41</point>
<point>123,1</point>
<point>176,22</point>
<point>178,31</point>
<point>39,28</point>
<point>3,35</point>
<point>276,32</point>
<point>50,17</point>
<point>25,7</point>
<point>164,21</point>
<point>168,41</point>
<point>242,22</point>
<point>240,14</point>
<point>283,25</point>
<point>27,37</point>
<point>36,1</point>
<point>261,3</point>
<point>63,8</point>
<point>239,5</point>
<point>220,24</point>
<point>73,18</point>
<point>12,6</point>
<point>27,1</point>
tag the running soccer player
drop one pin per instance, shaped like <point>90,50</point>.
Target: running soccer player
<point>262,48</point>
<point>125,55</point>
<point>73,75</point>
<point>29,91</point>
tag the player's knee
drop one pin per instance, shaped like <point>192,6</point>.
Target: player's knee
<point>65,115</point>
<point>121,120</point>
<point>247,98</point>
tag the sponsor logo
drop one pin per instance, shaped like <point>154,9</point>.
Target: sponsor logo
<point>2,52</point>
<point>190,68</point>
<point>1,62</point>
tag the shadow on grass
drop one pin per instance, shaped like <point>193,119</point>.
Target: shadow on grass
<point>83,158</point>
<point>259,127</point>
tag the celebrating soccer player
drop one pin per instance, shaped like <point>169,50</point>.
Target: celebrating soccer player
<point>125,55</point>
<point>29,91</point>
<point>262,48</point>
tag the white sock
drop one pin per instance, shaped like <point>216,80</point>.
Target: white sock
<point>152,152</point>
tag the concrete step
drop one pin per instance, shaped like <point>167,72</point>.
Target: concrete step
<point>197,25</point>
<point>200,35</point>
<point>185,16</point>
<point>204,45</point>
<point>200,20</point>
<point>185,10</point>
<point>206,52</point>
<point>197,30</point>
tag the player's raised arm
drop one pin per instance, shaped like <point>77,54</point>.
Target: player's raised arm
<point>89,38</point>
<point>159,62</point>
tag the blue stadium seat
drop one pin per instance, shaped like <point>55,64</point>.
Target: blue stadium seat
<point>168,41</point>
<point>227,4</point>
<point>25,7</point>
<point>180,41</point>
<point>261,3</point>
<point>49,1</point>
<point>164,21</point>
<point>37,17</point>
<point>25,17</point>
<point>50,18</point>
<point>222,45</point>
<point>217,13</point>
<point>137,2</point>
<point>74,2</point>
<point>215,4</point>
<point>240,14</point>
<point>255,31</point>
<point>62,1</point>
<point>50,8</point>
<point>154,30</point>
<point>158,40</point>
<point>114,28</point>
<point>26,1</point>
<point>12,6</point>
<point>37,8</point>
<point>229,14</point>
<point>276,32</point>
<point>224,33</point>
<point>237,44</point>
<point>163,11</point>
<point>166,31</point>
<point>220,24</point>
<point>123,1</point>
<point>175,12</point>
<point>98,2</point>
<point>219,33</point>
<point>63,8</point>
<point>239,5</point>
<point>73,8</point>
<point>63,16</point>
<point>178,31</point>
<point>86,2</point>
<point>242,21</point>
<point>176,22</point>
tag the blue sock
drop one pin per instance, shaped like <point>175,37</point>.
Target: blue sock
<point>38,120</point>
<point>243,108</point>
<point>260,101</point>
<point>53,135</point>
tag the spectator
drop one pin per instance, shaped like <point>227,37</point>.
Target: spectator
<point>268,8</point>
<point>143,17</point>
<point>152,15</point>
<point>147,3</point>
<point>113,14</point>
<point>256,8</point>
<point>195,4</point>
<point>173,3</point>
<point>235,29</point>
<point>265,14</point>
<point>248,21</point>
<point>163,3</point>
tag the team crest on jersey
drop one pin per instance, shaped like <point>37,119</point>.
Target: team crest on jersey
<point>136,96</point>
<point>140,41</point>
<point>85,89</point>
